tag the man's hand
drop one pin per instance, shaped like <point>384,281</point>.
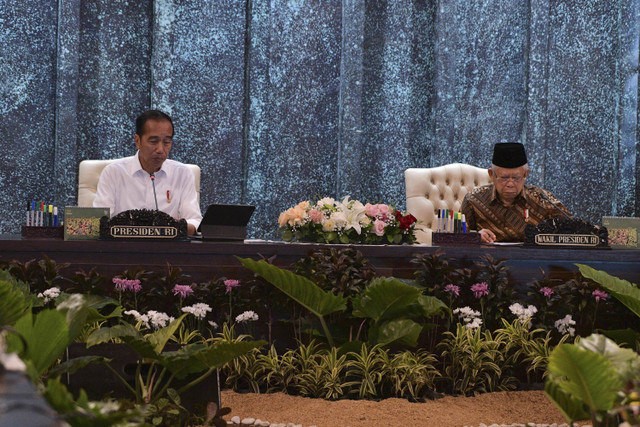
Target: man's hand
<point>487,236</point>
<point>191,230</point>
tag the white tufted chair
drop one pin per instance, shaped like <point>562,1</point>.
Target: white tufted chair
<point>89,174</point>
<point>443,187</point>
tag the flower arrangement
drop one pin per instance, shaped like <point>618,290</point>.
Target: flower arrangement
<point>347,221</point>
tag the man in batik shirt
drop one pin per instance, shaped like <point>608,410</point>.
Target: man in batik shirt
<point>501,210</point>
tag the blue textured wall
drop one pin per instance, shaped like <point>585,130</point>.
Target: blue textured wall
<point>283,100</point>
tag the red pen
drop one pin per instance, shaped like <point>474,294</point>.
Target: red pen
<point>168,196</point>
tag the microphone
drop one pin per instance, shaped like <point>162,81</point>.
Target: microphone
<point>153,183</point>
<point>544,196</point>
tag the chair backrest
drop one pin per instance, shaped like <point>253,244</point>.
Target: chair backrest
<point>89,174</point>
<point>443,187</point>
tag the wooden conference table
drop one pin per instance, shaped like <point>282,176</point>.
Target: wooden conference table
<point>207,260</point>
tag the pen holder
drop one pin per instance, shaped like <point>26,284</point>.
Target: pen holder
<point>472,238</point>
<point>29,232</point>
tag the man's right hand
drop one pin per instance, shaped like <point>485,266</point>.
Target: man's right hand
<point>487,236</point>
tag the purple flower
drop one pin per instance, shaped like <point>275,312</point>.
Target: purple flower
<point>127,285</point>
<point>230,284</point>
<point>600,295</point>
<point>480,289</point>
<point>182,290</point>
<point>452,289</point>
<point>547,291</point>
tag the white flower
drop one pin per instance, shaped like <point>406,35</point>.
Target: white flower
<point>470,317</point>
<point>140,318</point>
<point>326,203</point>
<point>213,324</point>
<point>339,219</point>
<point>50,294</point>
<point>159,319</point>
<point>524,314</point>
<point>564,325</point>
<point>199,310</point>
<point>247,315</point>
<point>475,324</point>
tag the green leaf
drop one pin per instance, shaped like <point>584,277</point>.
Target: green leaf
<point>385,297</point>
<point>432,306</point>
<point>159,338</point>
<point>626,292</point>
<point>13,303</point>
<point>401,331</point>
<point>571,408</point>
<point>103,335</point>
<point>58,396</point>
<point>197,358</point>
<point>47,337</point>
<point>73,365</point>
<point>626,362</point>
<point>589,376</point>
<point>298,288</point>
<point>624,337</point>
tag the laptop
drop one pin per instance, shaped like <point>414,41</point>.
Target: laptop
<point>225,222</point>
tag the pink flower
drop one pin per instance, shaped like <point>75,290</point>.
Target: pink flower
<point>182,290</point>
<point>316,216</point>
<point>127,285</point>
<point>230,284</point>
<point>384,212</point>
<point>452,289</point>
<point>378,227</point>
<point>480,289</point>
<point>371,210</point>
<point>547,291</point>
<point>600,295</point>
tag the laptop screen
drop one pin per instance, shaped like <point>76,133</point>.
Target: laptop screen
<point>227,215</point>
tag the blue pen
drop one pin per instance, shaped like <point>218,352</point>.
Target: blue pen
<point>464,224</point>
<point>55,216</point>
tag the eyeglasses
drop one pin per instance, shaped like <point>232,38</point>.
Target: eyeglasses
<point>505,179</point>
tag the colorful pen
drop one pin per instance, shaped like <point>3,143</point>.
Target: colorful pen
<point>55,216</point>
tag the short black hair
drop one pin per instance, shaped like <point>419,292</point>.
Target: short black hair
<point>151,115</point>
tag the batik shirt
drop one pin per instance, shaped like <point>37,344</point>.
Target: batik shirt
<point>483,208</point>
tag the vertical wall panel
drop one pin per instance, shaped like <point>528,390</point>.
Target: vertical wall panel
<point>198,78</point>
<point>391,90</point>
<point>293,114</point>
<point>114,75</point>
<point>27,107</point>
<point>582,102</point>
<point>481,78</point>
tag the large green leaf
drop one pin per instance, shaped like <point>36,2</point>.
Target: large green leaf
<point>590,377</point>
<point>197,358</point>
<point>47,336</point>
<point>626,292</point>
<point>623,337</point>
<point>626,362</point>
<point>105,334</point>
<point>298,288</point>
<point>572,408</point>
<point>13,303</point>
<point>385,298</point>
<point>159,338</point>
<point>75,364</point>
<point>82,309</point>
<point>432,306</point>
<point>401,331</point>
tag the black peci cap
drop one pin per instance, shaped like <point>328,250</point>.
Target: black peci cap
<point>509,155</point>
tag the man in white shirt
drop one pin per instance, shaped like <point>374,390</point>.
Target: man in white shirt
<point>129,182</point>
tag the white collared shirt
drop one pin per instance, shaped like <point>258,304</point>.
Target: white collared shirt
<point>124,185</point>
